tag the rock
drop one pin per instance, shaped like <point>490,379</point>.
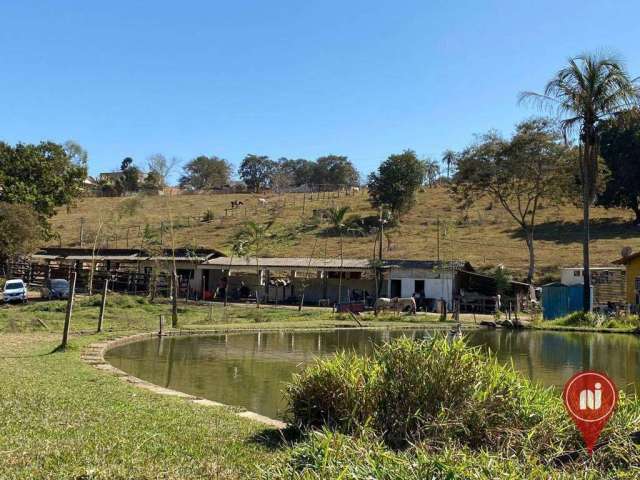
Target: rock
<point>488,323</point>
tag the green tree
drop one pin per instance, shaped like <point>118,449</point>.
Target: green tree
<point>253,238</point>
<point>299,171</point>
<point>130,179</point>
<point>256,171</point>
<point>518,173</point>
<point>588,91</point>
<point>337,218</point>
<point>206,173</point>
<point>20,230</point>
<point>396,182</point>
<point>152,183</point>
<point>42,176</point>
<point>333,171</point>
<point>620,149</point>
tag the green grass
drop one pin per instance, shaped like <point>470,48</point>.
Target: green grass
<point>61,418</point>
<point>592,321</point>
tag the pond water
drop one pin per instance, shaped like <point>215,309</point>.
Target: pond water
<point>251,369</point>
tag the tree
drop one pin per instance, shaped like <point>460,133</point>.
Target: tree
<point>432,172</point>
<point>518,173</point>
<point>336,217</point>
<point>255,171</point>
<point>130,179</point>
<point>76,153</point>
<point>395,183</point>
<point>591,89</point>
<point>299,171</point>
<point>620,149</point>
<point>253,237</point>
<point>42,176</point>
<point>449,158</point>
<point>20,230</point>
<point>333,171</point>
<point>206,173</point>
<point>160,167</point>
<point>152,183</point>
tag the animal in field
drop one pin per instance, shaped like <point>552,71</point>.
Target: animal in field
<point>236,203</point>
<point>355,190</point>
<point>397,304</point>
<point>263,202</point>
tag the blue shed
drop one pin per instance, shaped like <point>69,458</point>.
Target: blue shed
<point>559,300</point>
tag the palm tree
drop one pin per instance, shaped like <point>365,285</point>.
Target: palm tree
<point>253,237</point>
<point>590,89</point>
<point>336,217</point>
<point>448,157</point>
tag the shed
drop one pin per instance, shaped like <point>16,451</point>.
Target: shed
<point>559,300</point>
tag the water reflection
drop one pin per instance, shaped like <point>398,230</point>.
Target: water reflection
<point>250,369</point>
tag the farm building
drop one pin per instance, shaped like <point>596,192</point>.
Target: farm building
<point>607,283</point>
<point>128,270</point>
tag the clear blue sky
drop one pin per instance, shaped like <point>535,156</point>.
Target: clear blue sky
<point>287,78</point>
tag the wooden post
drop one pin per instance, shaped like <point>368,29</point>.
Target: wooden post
<point>103,304</point>
<point>82,232</point>
<point>67,317</point>
<point>211,311</point>
<point>161,324</point>
<point>304,200</point>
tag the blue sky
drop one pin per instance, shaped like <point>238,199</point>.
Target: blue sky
<point>287,78</point>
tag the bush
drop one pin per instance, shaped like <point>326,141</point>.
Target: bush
<point>448,411</point>
<point>334,392</point>
<point>431,392</point>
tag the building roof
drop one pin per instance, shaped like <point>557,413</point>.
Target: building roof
<point>626,260</point>
<point>611,267</point>
<point>293,263</point>
<point>336,263</point>
<point>124,254</point>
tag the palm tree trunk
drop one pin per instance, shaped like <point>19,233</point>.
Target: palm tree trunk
<point>341,272</point>
<point>586,202</point>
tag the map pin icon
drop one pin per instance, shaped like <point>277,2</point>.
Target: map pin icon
<point>590,398</point>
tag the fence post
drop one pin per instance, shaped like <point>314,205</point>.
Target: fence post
<point>161,324</point>
<point>67,317</point>
<point>174,301</point>
<point>103,304</point>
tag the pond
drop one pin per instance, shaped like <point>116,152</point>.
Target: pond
<point>251,369</point>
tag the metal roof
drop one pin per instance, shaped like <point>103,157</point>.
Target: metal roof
<point>292,263</point>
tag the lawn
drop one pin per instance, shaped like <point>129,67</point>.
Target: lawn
<point>61,418</point>
<point>485,235</point>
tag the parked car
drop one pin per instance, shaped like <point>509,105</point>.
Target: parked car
<point>56,288</point>
<point>15,291</point>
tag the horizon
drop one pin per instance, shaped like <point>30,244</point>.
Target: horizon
<point>359,80</point>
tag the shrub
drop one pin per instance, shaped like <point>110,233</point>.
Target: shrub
<point>432,392</point>
<point>455,412</point>
<point>334,392</point>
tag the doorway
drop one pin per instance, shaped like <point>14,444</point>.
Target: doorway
<point>395,288</point>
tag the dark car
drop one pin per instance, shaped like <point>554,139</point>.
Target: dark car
<point>56,288</point>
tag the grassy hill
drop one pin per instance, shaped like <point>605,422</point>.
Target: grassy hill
<point>486,237</point>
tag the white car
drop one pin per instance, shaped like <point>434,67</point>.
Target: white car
<point>15,291</point>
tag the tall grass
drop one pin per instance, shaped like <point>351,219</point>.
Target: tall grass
<point>416,404</point>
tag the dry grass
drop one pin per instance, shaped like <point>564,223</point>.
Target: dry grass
<point>486,237</point>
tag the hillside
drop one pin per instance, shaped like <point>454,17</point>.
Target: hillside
<point>486,238</point>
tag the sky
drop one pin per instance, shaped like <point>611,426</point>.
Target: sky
<point>296,79</point>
